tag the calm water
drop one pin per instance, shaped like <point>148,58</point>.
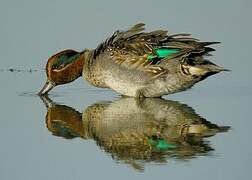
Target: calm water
<point>81,132</point>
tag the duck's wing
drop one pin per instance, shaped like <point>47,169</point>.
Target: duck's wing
<point>143,51</point>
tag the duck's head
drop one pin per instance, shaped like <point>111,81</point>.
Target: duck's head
<point>62,68</point>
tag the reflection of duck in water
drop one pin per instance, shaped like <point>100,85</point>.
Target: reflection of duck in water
<point>132,130</point>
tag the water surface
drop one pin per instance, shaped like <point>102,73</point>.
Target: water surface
<point>82,132</point>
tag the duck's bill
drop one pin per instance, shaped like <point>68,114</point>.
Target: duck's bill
<point>46,88</point>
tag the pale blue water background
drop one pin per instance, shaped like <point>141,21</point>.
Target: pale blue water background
<point>31,31</point>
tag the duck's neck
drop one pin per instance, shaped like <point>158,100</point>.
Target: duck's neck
<point>87,56</point>
<point>78,65</point>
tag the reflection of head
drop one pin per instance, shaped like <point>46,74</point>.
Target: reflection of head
<point>135,131</point>
<point>62,120</point>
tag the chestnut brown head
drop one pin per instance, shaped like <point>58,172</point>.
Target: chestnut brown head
<point>62,68</point>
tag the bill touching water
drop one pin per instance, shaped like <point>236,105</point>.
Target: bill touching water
<point>92,133</point>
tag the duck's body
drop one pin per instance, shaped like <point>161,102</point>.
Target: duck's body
<point>136,63</point>
<point>104,72</point>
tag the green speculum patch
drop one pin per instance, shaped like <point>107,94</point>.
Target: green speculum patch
<point>162,53</point>
<point>161,144</point>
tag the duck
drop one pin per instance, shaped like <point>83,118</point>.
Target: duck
<point>136,63</point>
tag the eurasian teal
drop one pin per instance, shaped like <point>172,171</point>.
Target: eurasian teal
<point>136,63</point>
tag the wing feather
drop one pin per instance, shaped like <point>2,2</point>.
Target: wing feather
<point>131,48</point>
